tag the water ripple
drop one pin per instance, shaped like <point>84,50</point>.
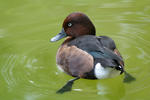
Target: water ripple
<point>143,55</point>
<point>7,70</point>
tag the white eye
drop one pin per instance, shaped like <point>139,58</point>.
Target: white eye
<point>69,24</point>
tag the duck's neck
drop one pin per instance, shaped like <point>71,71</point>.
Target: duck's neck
<point>68,39</point>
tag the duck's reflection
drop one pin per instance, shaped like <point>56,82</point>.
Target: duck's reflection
<point>113,90</point>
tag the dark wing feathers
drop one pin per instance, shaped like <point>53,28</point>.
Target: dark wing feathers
<point>105,54</point>
<point>105,62</point>
<point>107,42</point>
<point>99,47</point>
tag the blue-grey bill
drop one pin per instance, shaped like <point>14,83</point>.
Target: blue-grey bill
<point>59,36</point>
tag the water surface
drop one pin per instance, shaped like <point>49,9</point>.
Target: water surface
<point>27,59</point>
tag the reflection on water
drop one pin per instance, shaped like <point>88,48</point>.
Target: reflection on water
<point>102,89</point>
<point>108,90</point>
<point>27,64</point>
<point>30,96</point>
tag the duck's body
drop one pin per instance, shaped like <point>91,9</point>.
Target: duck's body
<point>84,55</point>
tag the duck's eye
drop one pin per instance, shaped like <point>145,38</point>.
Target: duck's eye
<point>69,24</point>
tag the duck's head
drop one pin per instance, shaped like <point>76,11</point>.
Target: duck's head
<point>75,25</point>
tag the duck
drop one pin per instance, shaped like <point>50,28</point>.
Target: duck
<point>85,55</point>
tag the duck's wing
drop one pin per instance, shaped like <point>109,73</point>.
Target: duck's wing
<point>106,53</point>
<point>97,47</point>
<point>109,43</point>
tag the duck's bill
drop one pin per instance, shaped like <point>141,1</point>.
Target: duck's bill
<point>59,36</point>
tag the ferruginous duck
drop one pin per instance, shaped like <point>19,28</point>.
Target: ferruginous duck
<point>85,55</point>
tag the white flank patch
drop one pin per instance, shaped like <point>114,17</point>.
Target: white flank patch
<point>102,73</point>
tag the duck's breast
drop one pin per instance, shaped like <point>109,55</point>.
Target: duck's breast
<point>74,61</point>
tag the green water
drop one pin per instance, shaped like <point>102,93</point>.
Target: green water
<point>27,59</point>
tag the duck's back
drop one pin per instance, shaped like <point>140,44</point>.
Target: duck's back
<point>93,43</point>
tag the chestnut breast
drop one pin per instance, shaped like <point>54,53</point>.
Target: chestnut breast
<point>74,61</point>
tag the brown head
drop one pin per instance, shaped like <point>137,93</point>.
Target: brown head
<point>75,25</point>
